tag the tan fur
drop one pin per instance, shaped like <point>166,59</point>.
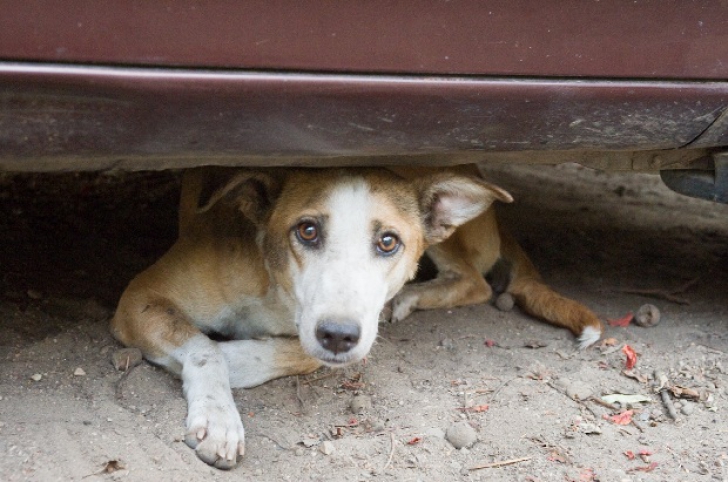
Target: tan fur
<point>471,252</point>
<point>239,268</point>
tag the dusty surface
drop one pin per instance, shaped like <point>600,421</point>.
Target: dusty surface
<point>70,243</point>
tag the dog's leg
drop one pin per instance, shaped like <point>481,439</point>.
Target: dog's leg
<point>534,297</point>
<point>458,283</point>
<point>252,362</point>
<point>168,338</point>
<point>214,428</point>
<point>448,290</point>
<point>460,260</point>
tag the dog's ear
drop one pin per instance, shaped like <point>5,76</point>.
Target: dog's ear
<point>448,200</point>
<point>254,192</point>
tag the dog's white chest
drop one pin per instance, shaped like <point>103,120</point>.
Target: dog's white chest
<point>252,319</point>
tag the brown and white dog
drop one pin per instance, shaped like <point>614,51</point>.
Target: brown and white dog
<point>295,266</point>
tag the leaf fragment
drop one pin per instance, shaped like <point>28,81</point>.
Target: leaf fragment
<point>631,357</point>
<point>684,392</point>
<point>624,321</point>
<point>624,418</point>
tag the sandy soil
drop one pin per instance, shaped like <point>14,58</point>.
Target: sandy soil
<point>69,244</point>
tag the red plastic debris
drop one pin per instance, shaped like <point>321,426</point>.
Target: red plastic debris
<point>624,321</point>
<point>631,357</point>
<point>624,418</point>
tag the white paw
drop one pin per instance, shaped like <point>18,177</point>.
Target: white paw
<point>215,431</point>
<point>403,305</point>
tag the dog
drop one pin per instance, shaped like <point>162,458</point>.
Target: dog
<point>294,266</point>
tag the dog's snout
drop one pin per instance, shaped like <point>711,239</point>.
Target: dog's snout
<point>338,337</point>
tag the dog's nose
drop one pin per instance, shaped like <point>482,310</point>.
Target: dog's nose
<point>338,337</point>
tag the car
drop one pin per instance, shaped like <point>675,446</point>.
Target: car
<point>88,85</point>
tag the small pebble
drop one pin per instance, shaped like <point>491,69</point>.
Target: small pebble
<point>360,404</point>
<point>461,434</point>
<point>79,372</point>
<point>377,426</point>
<point>688,408</point>
<point>326,448</point>
<point>300,452</point>
<point>310,442</point>
<point>578,390</point>
<point>126,358</point>
<point>590,428</point>
<point>37,377</point>
<point>648,315</point>
<point>504,302</point>
<point>447,343</point>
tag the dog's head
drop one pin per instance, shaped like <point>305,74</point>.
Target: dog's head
<point>342,242</point>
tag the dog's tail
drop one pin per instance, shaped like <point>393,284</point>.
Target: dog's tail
<point>533,296</point>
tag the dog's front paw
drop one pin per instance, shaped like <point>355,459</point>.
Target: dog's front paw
<point>216,433</point>
<point>386,313</point>
<point>403,305</point>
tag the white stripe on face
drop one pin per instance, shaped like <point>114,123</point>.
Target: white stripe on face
<point>344,281</point>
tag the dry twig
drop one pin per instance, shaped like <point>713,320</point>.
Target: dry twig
<point>391,453</point>
<point>579,402</point>
<point>119,391</point>
<point>322,377</point>
<point>665,395</point>
<point>601,402</point>
<point>661,384</point>
<point>298,393</point>
<point>501,463</point>
<point>669,295</point>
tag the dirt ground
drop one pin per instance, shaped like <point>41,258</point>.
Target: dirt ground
<point>69,243</point>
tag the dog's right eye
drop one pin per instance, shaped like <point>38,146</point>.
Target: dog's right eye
<point>307,233</point>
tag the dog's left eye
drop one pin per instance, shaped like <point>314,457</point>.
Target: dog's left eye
<point>388,243</point>
<point>307,233</point>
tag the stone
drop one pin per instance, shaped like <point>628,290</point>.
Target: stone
<point>688,408</point>
<point>327,448</point>
<point>504,302</point>
<point>578,390</point>
<point>461,434</point>
<point>360,404</point>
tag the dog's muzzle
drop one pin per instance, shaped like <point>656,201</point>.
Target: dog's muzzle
<point>338,337</point>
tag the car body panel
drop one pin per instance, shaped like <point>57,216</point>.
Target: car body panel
<point>660,39</point>
<point>99,84</point>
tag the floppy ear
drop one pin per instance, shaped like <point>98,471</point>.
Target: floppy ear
<point>254,192</point>
<point>448,200</point>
